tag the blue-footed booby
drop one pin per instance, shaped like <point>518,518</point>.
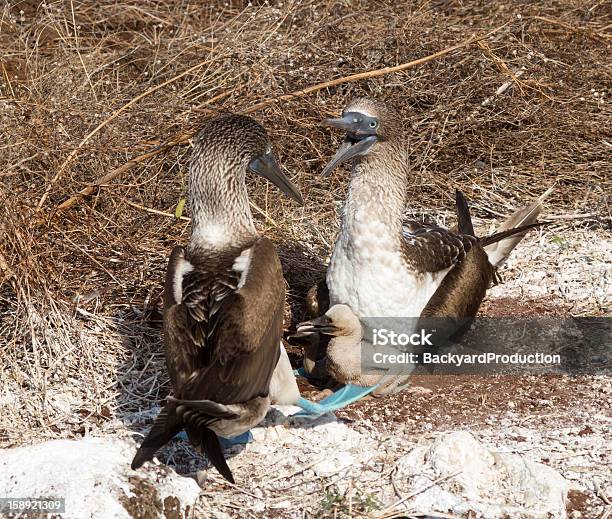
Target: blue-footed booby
<point>385,267</point>
<point>223,300</point>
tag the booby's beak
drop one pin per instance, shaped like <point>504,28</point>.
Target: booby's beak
<point>319,325</point>
<point>361,135</point>
<point>267,167</point>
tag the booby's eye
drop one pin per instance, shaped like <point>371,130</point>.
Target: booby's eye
<point>268,150</point>
<point>373,124</point>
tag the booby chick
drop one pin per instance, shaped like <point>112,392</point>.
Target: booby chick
<point>346,357</point>
<point>223,300</point>
<point>384,267</point>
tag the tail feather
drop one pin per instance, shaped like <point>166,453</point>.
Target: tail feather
<point>172,419</point>
<point>464,220</point>
<point>166,426</point>
<point>213,451</point>
<point>527,214</point>
<point>200,408</point>
<point>499,245</point>
<point>504,235</point>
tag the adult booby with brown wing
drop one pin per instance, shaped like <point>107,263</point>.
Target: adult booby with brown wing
<point>223,300</point>
<point>383,267</point>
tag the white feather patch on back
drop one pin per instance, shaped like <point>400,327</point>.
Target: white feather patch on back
<point>283,386</point>
<point>183,267</point>
<point>242,264</point>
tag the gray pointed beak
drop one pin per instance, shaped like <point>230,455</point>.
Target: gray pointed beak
<point>360,137</point>
<point>348,150</point>
<point>320,324</point>
<point>348,124</point>
<point>267,167</point>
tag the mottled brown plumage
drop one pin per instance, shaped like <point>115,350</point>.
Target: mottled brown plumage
<point>223,342</point>
<point>429,248</point>
<point>223,299</point>
<point>383,267</point>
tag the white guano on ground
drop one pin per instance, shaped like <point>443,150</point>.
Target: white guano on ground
<point>333,467</point>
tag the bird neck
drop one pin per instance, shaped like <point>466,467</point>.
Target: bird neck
<point>221,216</point>
<point>377,197</point>
<point>346,349</point>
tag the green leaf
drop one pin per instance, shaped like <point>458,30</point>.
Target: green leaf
<point>178,212</point>
<point>559,241</point>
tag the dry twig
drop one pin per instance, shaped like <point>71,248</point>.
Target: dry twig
<point>185,137</point>
<point>387,512</point>
<point>114,115</point>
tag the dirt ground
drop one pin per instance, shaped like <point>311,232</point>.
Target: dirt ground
<point>560,420</point>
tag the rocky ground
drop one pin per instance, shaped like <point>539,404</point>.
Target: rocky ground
<point>357,466</point>
<point>450,446</point>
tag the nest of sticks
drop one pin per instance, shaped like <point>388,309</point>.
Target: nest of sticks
<point>101,99</point>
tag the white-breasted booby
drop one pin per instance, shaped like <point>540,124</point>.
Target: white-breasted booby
<point>384,267</point>
<point>223,300</point>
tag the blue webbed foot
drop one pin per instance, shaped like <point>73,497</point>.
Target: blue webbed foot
<point>300,372</point>
<point>226,443</point>
<point>182,436</point>
<point>341,398</point>
<point>241,439</point>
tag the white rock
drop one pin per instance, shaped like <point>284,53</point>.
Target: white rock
<point>490,484</point>
<point>336,462</point>
<point>95,478</point>
<point>281,504</point>
<point>461,452</point>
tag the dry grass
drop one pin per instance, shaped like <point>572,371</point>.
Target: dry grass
<point>80,289</point>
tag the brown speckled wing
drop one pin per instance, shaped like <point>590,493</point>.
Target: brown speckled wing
<point>428,248</point>
<point>205,292</point>
<point>224,340</point>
